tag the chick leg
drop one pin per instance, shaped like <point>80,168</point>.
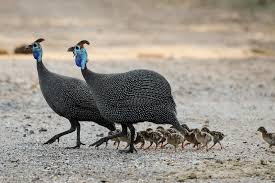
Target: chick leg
<point>118,142</point>
<point>164,145</point>
<point>175,148</point>
<point>213,145</point>
<point>220,145</point>
<point>151,143</point>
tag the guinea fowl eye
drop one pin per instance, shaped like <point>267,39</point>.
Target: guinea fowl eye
<point>35,45</point>
<point>77,48</point>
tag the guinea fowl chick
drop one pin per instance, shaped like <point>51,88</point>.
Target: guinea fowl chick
<point>217,136</point>
<point>203,138</point>
<point>117,140</point>
<point>190,137</point>
<point>268,137</point>
<point>174,139</point>
<point>162,131</point>
<point>153,137</point>
<point>145,135</point>
<point>139,139</point>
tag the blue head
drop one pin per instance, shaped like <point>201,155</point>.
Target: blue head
<point>80,53</point>
<point>36,49</point>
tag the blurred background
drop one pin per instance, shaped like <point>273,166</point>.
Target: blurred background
<point>125,29</point>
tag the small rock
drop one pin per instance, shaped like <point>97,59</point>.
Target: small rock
<point>263,162</point>
<point>31,132</point>
<point>219,161</point>
<point>35,179</point>
<point>27,117</point>
<point>24,135</point>
<point>192,176</point>
<point>244,142</point>
<point>49,116</point>
<point>14,160</point>
<point>42,130</point>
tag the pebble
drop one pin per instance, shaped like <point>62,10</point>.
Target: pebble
<point>42,130</point>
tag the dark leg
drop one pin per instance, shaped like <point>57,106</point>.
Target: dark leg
<point>117,144</point>
<point>175,148</point>
<point>162,141</point>
<point>132,147</point>
<point>186,144</point>
<point>127,145</point>
<point>56,137</point>
<point>156,145</point>
<point>78,142</point>
<point>151,143</point>
<point>220,145</point>
<point>142,145</point>
<point>164,145</point>
<point>104,139</point>
<point>213,145</point>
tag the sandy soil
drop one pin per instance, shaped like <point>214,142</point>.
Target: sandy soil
<point>220,66</point>
<point>235,96</point>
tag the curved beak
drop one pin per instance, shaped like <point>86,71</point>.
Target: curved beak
<point>71,49</point>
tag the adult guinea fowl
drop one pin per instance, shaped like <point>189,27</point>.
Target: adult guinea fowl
<point>129,98</point>
<point>68,97</point>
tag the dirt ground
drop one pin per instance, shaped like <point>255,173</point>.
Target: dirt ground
<point>220,65</point>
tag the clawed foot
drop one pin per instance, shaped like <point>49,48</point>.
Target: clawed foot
<point>99,142</point>
<point>52,140</point>
<point>75,147</point>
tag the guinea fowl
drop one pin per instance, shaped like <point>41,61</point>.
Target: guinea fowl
<point>68,97</point>
<point>130,97</point>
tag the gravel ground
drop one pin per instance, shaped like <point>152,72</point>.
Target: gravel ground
<point>236,96</point>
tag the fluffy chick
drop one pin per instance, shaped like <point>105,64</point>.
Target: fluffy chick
<point>203,138</point>
<point>217,136</point>
<point>174,139</point>
<point>151,136</point>
<point>162,131</point>
<point>190,137</point>
<point>139,139</point>
<point>268,137</point>
<point>120,139</point>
